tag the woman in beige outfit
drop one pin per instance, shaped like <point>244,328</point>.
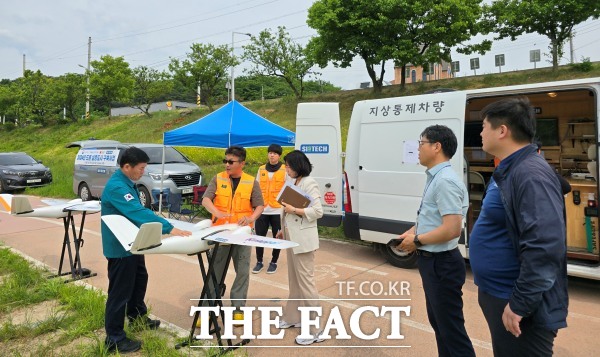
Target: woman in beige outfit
<point>300,226</point>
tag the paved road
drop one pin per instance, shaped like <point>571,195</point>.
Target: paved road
<point>341,268</point>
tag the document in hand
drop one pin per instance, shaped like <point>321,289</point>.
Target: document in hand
<point>294,196</point>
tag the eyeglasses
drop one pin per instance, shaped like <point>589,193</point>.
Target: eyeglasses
<point>421,142</point>
<point>230,162</point>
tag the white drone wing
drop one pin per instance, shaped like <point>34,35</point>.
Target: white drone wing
<point>242,238</point>
<point>147,239</point>
<point>86,206</point>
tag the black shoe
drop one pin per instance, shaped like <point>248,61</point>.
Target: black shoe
<point>124,346</point>
<point>144,323</point>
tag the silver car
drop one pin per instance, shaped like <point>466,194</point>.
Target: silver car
<point>97,160</point>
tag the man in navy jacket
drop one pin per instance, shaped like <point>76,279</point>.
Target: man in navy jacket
<point>127,275</point>
<point>517,248</point>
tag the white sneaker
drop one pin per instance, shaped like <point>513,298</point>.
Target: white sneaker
<point>283,324</point>
<point>309,341</point>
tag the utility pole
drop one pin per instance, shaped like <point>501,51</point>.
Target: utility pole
<point>198,95</point>
<point>87,90</point>
<point>232,67</point>
<point>571,46</point>
<point>23,65</point>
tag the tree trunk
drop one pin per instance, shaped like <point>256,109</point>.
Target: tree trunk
<point>554,55</point>
<point>403,77</point>
<point>374,80</point>
<point>291,84</point>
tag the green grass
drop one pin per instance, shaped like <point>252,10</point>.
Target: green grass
<point>79,317</point>
<point>48,144</point>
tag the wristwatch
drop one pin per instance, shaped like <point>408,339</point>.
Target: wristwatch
<point>417,241</point>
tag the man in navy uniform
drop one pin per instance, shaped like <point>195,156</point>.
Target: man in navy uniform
<point>127,275</point>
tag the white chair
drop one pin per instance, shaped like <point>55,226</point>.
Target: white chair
<point>592,166</point>
<point>476,186</point>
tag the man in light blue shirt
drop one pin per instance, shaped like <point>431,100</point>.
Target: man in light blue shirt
<point>434,238</point>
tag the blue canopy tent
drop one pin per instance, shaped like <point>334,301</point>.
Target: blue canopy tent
<point>232,124</point>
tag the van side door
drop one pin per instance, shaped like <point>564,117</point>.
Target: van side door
<point>318,135</point>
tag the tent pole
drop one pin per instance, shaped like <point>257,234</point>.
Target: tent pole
<point>162,175</point>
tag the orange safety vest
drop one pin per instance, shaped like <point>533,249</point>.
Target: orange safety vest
<point>270,188</point>
<point>240,204</point>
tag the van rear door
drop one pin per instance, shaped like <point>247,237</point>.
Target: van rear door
<point>318,135</point>
<point>384,173</point>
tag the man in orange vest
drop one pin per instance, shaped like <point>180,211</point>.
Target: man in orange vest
<point>233,196</point>
<point>271,178</point>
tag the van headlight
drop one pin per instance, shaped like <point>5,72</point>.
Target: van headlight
<point>157,177</point>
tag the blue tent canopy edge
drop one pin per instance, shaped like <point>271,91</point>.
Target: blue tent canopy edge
<point>232,124</point>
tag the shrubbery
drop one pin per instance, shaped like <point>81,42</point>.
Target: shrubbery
<point>584,66</point>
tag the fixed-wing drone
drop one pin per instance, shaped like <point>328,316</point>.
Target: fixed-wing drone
<point>147,238</point>
<point>20,206</point>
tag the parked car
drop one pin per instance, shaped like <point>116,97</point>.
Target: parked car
<point>97,160</point>
<point>19,170</point>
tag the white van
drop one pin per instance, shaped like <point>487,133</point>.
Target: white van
<point>379,191</point>
<point>97,160</point>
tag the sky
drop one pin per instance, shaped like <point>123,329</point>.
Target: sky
<point>53,35</point>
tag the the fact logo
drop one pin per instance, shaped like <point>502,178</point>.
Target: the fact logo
<point>309,317</point>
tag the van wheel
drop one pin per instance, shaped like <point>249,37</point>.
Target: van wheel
<point>84,192</point>
<point>400,260</point>
<point>145,198</point>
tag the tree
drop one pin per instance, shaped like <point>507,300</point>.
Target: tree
<point>257,87</point>
<point>111,80</point>
<point>8,100</point>
<point>347,29</point>
<point>424,32</point>
<point>150,87</point>
<point>399,30</point>
<point>68,91</point>
<point>206,65</point>
<point>277,55</point>
<point>551,18</point>
<point>32,97</point>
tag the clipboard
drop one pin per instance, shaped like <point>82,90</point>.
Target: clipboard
<point>294,196</point>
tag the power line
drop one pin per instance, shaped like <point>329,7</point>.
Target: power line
<point>216,33</point>
<point>188,23</point>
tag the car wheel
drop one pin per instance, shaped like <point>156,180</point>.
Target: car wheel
<point>397,258</point>
<point>145,198</point>
<point>1,186</point>
<point>84,192</point>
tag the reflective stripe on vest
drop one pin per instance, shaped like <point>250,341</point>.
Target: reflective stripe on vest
<point>240,205</point>
<point>270,187</point>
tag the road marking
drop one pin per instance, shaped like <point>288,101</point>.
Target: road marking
<point>324,271</point>
<point>584,317</point>
<point>366,270</point>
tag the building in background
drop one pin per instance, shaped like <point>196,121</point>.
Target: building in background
<point>416,74</point>
<point>154,107</point>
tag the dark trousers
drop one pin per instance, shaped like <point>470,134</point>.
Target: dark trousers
<point>534,340</point>
<point>261,226</point>
<point>443,275</point>
<point>127,282</point>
